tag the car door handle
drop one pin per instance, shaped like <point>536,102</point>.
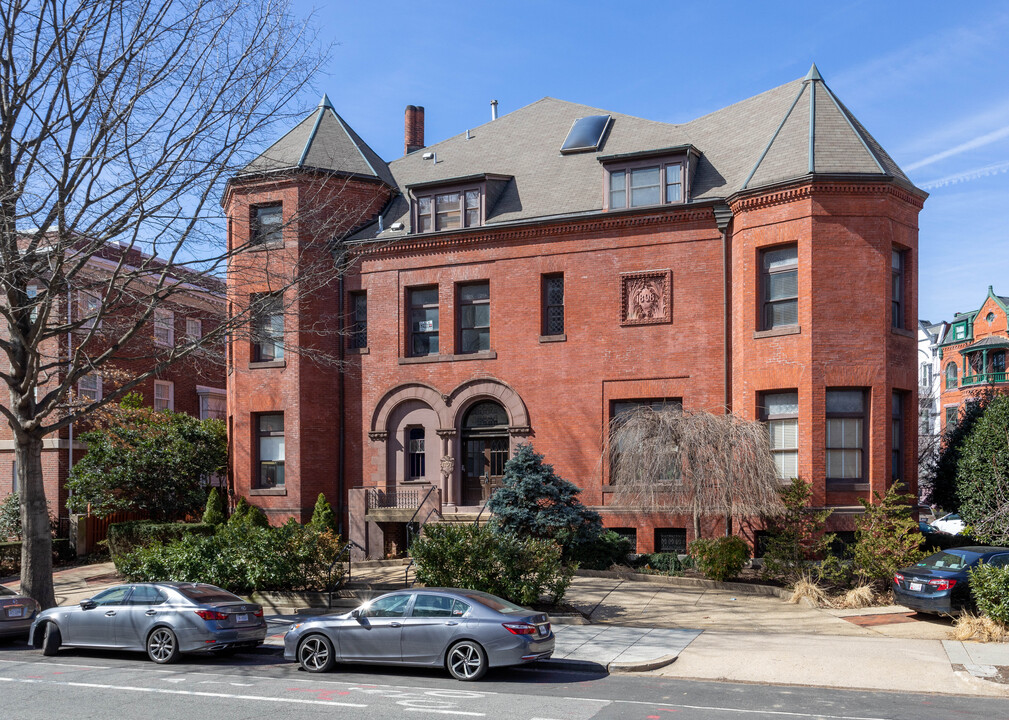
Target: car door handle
<point>110,613</point>
<point>451,622</point>
<point>395,624</point>
<point>151,612</point>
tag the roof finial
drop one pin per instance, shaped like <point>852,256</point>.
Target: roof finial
<point>813,74</point>
<point>325,103</point>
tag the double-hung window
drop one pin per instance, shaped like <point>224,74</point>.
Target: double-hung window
<point>449,210</point>
<point>89,387</point>
<point>267,328</point>
<point>951,372</point>
<point>780,410</point>
<point>780,280</point>
<point>270,455</point>
<point>897,287</point>
<point>89,306</point>
<point>846,435</point>
<point>164,395</point>
<point>474,317</point>
<point>897,431</point>
<point>415,453</point>
<point>194,330</point>
<point>656,184</point>
<point>423,321</point>
<point>267,225</point>
<point>164,327</point>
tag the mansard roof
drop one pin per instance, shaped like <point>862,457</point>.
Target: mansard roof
<point>322,141</point>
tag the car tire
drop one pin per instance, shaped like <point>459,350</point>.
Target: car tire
<point>316,654</point>
<point>51,639</point>
<point>162,646</point>
<point>466,660</point>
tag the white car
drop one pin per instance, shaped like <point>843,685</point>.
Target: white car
<point>951,524</point>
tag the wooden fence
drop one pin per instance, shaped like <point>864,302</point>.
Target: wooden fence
<point>96,529</point>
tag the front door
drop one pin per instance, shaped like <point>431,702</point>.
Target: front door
<point>484,450</point>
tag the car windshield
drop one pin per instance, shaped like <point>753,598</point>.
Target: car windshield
<point>494,602</point>
<point>208,594</point>
<point>6,591</point>
<point>949,561</point>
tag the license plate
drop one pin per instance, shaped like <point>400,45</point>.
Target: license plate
<point>544,629</point>
<point>15,611</point>
<point>916,587</point>
<point>242,618</point>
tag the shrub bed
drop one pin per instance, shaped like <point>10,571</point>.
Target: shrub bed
<point>661,563</point>
<point>990,586</point>
<point>518,569</point>
<point>10,555</point>
<point>602,552</point>
<point>721,558</point>
<point>240,557</point>
<point>125,537</point>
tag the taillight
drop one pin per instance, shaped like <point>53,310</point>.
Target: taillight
<point>211,615</point>
<point>941,584</point>
<point>898,578</point>
<point>258,613</point>
<point>520,628</point>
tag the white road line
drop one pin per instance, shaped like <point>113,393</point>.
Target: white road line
<point>56,662</point>
<point>751,711</point>
<point>166,691</point>
<point>446,712</point>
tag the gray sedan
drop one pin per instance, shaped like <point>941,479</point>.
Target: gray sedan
<point>16,613</point>
<point>464,631</point>
<point>163,619</point>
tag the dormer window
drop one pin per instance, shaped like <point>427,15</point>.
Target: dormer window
<point>657,177</point>
<point>449,211</point>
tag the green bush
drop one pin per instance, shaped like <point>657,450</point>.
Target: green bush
<point>10,518</point>
<point>126,536</point>
<point>246,514</point>
<point>983,474</point>
<point>664,563</point>
<point>887,537</point>
<point>720,558</point>
<point>478,558</point>
<point>990,586</point>
<point>323,517</point>
<point>213,514</point>
<point>796,537</point>
<point>604,552</point>
<point>240,557</point>
<point>10,555</point>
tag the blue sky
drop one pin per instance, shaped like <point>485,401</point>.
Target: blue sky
<point>928,79</point>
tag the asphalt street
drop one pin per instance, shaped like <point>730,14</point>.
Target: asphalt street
<point>106,685</point>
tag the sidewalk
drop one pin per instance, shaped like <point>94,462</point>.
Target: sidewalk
<point>712,633</point>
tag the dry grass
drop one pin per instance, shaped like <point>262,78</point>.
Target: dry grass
<point>861,597</point>
<point>806,588</point>
<point>979,628</point>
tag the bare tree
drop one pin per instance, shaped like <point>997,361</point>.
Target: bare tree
<point>120,123</point>
<point>696,464</point>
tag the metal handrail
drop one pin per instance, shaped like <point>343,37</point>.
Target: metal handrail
<point>406,574</point>
<point>329,576</point>
<point>421,504</point>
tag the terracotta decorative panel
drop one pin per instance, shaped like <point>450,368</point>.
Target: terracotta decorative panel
<point>646,297</point>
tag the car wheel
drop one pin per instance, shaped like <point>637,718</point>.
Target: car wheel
<point>163,646</point>
<point>51,640</point>
<point>315,653</point>
<point>466,660</point>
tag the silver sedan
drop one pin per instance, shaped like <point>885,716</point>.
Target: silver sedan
<point>163,619</point>
<point>16,613</point>
<point>464,631</point>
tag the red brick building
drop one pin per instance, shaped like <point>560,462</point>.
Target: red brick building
<point>531,278</point>
<point>195,385</point>
<point>973,356</point>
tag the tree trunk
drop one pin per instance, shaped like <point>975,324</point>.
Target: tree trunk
<point>36,543</point>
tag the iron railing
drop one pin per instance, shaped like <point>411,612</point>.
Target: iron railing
<point>406,499</point>
<point>346,578</point>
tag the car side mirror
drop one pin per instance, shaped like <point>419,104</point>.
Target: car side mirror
<point>88,604</point>
<point>356,613</point>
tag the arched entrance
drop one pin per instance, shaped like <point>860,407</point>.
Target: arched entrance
<point>484,450</point>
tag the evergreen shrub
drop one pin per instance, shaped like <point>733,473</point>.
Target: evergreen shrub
<point>990,587</point>
<point>720,558</point>
<point>126,536</point>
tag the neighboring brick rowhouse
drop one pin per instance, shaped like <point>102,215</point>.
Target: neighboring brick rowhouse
<point>402,418</point>
<point>973,356</point>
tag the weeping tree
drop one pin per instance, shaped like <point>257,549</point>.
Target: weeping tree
<point>121,121</point>
<point>693,463</point>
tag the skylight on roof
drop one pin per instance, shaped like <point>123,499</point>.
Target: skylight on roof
<point>586,134</point>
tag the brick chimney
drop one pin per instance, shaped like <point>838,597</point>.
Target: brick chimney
<point>414,130</point>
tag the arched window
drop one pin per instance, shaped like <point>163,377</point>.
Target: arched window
<point>951,375</point>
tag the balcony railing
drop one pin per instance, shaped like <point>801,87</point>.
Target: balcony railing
<point>984,378</point>
<point>380,499</point>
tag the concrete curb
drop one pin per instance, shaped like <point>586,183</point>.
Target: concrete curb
<point>738,588</point>
<point>615,667</point>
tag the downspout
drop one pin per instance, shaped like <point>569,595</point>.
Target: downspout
<point>341,443</point>
<point>723,216</point>
<point>70,337</point>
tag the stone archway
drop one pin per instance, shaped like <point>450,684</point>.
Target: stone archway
<point>408,391</point>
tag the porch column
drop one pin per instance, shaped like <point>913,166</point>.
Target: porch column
<point>449,484</point>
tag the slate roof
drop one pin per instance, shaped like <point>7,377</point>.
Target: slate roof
<point>991,341</point>
<point>760,141</point>
<point>322,141</point>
